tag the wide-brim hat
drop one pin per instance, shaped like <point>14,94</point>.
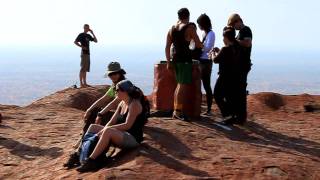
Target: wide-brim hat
<point>114,67</point>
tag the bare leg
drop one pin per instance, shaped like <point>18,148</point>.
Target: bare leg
<point>110,134</point>
<point>85,78</point>
<point>82,78</point>
<point>177,100</point>
<point>95,128</point>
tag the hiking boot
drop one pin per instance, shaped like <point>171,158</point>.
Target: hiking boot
<point>73,161</point>
<point>88,165</point>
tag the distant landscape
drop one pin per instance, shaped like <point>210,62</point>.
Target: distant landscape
<point>28,74</point>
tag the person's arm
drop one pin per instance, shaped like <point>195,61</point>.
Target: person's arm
<point>94,36</point>
<point>135,109</point>
<point>167,49</point>
<point>219,56</point>
<point>112,105</point>
<point>246,36</point>
<point>77,41</point>
<point>113,119</point>
<point>191,30</point>
<point>247,42</point>
<point>103,100</point>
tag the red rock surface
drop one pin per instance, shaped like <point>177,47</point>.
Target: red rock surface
<point>281,141</point>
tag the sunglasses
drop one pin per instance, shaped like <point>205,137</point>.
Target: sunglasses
<point>111,74</point>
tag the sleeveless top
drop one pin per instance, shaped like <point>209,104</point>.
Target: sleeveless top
<point>136,129</point>
<point>182,52</point>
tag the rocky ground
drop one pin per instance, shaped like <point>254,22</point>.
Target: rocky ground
<point>281,141</point>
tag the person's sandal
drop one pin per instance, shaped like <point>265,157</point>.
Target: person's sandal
<point>73,161</point>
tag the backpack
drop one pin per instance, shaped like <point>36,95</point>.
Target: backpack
<point>145,106</point>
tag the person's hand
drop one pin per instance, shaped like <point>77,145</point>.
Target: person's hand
<point>216,49</point>
<point>84,48</point>
<point>86,115</point>
<point>98,120</point>
<point>90,31</point>
<point>169,65</point>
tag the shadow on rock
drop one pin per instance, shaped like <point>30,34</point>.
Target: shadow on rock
<point>171,163</point>
<point>258,135</point>
<point>28,152</point>
<point>170,143</point>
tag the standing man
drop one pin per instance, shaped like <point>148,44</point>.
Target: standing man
<point>180,36</point>
<point>244,38</point>
<point>83,41</point>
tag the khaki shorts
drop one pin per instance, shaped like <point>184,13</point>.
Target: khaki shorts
<point>85,62</point>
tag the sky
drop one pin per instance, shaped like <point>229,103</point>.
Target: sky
<point>286,25</point>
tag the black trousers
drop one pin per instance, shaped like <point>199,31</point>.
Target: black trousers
<point>222,96</point>
<point>206,69</point>
<point>241,97</point>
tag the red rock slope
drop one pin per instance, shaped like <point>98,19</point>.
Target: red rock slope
<point>281,141</point>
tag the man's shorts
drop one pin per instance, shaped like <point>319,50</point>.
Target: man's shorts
<point>85,62</point>
<point>183,73</point>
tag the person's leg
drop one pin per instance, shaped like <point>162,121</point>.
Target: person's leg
<point>177,106</point>
<point>242,100</point>
<point>206,80</point>
<point>219,95</point>
<point>85,78</point>
<point>87,69</point>
<point>109,134</point>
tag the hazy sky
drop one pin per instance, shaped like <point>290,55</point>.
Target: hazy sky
<point>276,24</point>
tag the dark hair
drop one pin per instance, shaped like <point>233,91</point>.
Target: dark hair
<point>183,13</point>
<point>85,25</point>
<point>205,22</point>
<point>135,93</point>
<point>230,33</point>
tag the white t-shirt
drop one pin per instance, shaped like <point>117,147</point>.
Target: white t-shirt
<point>208,44</point>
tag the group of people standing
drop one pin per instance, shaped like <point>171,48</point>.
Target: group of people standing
<point>234,64</point>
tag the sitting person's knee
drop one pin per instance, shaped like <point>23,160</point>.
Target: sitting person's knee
<point>108,131</point>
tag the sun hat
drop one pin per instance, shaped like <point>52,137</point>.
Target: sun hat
<point>114,67</point>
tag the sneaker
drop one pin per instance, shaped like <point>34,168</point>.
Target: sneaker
<point>208,113</point>
<point>229,121</point>
<point>73,161</point>
<point>180,116</point>
<point>88,165</point>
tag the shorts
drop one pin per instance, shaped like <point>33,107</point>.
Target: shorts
<point>183,73</point>
<point>129,141</point>
<point>85,62</point>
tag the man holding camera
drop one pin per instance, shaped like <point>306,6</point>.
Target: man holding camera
<point>244,38</point>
